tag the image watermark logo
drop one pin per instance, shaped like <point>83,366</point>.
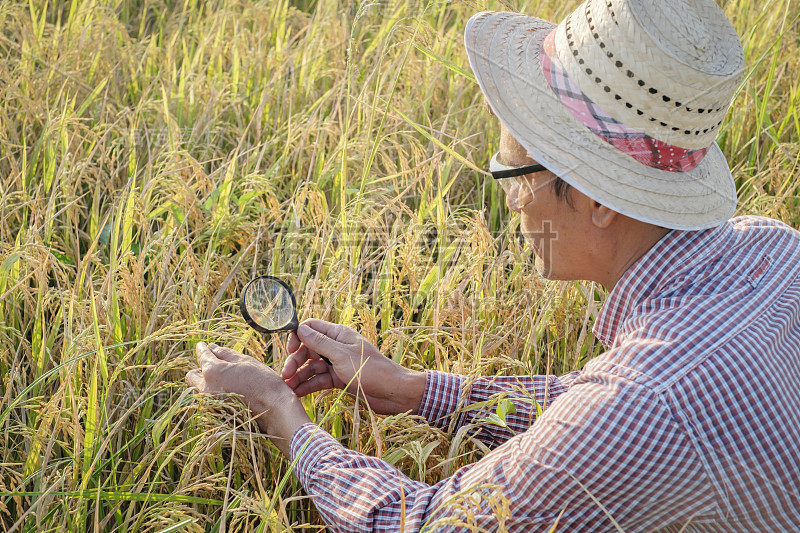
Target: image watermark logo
<point>546,237</point>
<point>161,136</point>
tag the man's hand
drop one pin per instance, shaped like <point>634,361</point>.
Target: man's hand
<point>223,370</point>
<point>355,365</point>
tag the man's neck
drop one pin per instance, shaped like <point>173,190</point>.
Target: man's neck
<point>628,242</point>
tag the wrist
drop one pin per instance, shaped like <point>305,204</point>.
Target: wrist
<point>281,420</point>
<point>415,382</point>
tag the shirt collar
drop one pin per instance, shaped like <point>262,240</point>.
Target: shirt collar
<point>673,253</point>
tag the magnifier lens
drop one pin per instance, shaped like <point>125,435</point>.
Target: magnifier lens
<point>269,303</point>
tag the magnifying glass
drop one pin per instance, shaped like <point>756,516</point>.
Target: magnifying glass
<point>268,305</point>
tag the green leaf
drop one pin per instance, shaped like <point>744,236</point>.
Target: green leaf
<point>505,408</point>
<point>449,64</point>
<point>422,131</point>
<point>91,98</point>
<point>9,262</point>
<point>105,233</point>
<point>64,258</point>
<point>495,420</point>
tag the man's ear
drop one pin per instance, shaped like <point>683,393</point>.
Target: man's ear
<point>602,216</point>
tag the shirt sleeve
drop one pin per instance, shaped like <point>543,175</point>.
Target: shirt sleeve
<point>601,457</point>
<point>453,399</point>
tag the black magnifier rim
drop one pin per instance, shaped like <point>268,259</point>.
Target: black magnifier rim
<point>291,326</point>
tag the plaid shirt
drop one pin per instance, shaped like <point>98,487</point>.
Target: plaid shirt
<point>690,421</point>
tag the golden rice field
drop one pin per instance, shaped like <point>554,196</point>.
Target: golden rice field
<point>155,155</point>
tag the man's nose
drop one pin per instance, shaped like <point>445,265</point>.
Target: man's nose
<point>512,199</point>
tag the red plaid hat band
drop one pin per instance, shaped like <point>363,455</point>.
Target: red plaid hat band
<point>638,145</point>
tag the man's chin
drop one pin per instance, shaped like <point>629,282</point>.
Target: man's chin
<point>542,268</point>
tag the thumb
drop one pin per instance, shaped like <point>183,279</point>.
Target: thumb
<point>322,337</point>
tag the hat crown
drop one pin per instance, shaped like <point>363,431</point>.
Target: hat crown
<point>694,33</point>
<point>668,68</point>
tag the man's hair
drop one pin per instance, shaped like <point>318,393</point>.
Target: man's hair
<point>561,188</point>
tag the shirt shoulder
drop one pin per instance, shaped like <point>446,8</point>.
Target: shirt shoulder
<point>725,282</point>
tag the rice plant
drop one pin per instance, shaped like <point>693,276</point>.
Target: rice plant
<point>155,155</point>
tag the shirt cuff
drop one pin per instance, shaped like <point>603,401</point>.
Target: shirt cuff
<point>310,444</point>
<point>441,397</point>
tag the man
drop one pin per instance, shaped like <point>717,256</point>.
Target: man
<point>690,420</point>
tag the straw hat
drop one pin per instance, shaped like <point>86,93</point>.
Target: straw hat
<point>622,100</point>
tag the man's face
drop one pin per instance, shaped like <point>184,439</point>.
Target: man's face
<point>556,230</point>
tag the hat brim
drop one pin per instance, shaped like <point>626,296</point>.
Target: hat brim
<point>503,50</point>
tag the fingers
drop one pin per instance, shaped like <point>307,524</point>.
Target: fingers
<point>293,362</point>
<point>205,357</point>
<point>226,354</point>
<point>298,359</point>
<point>210,354</point>
<point>310,369</point>
<point>194,378</point>
<point>293,343</point>
<point>315,384</point>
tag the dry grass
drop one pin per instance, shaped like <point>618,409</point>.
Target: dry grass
<point>156,154</point>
